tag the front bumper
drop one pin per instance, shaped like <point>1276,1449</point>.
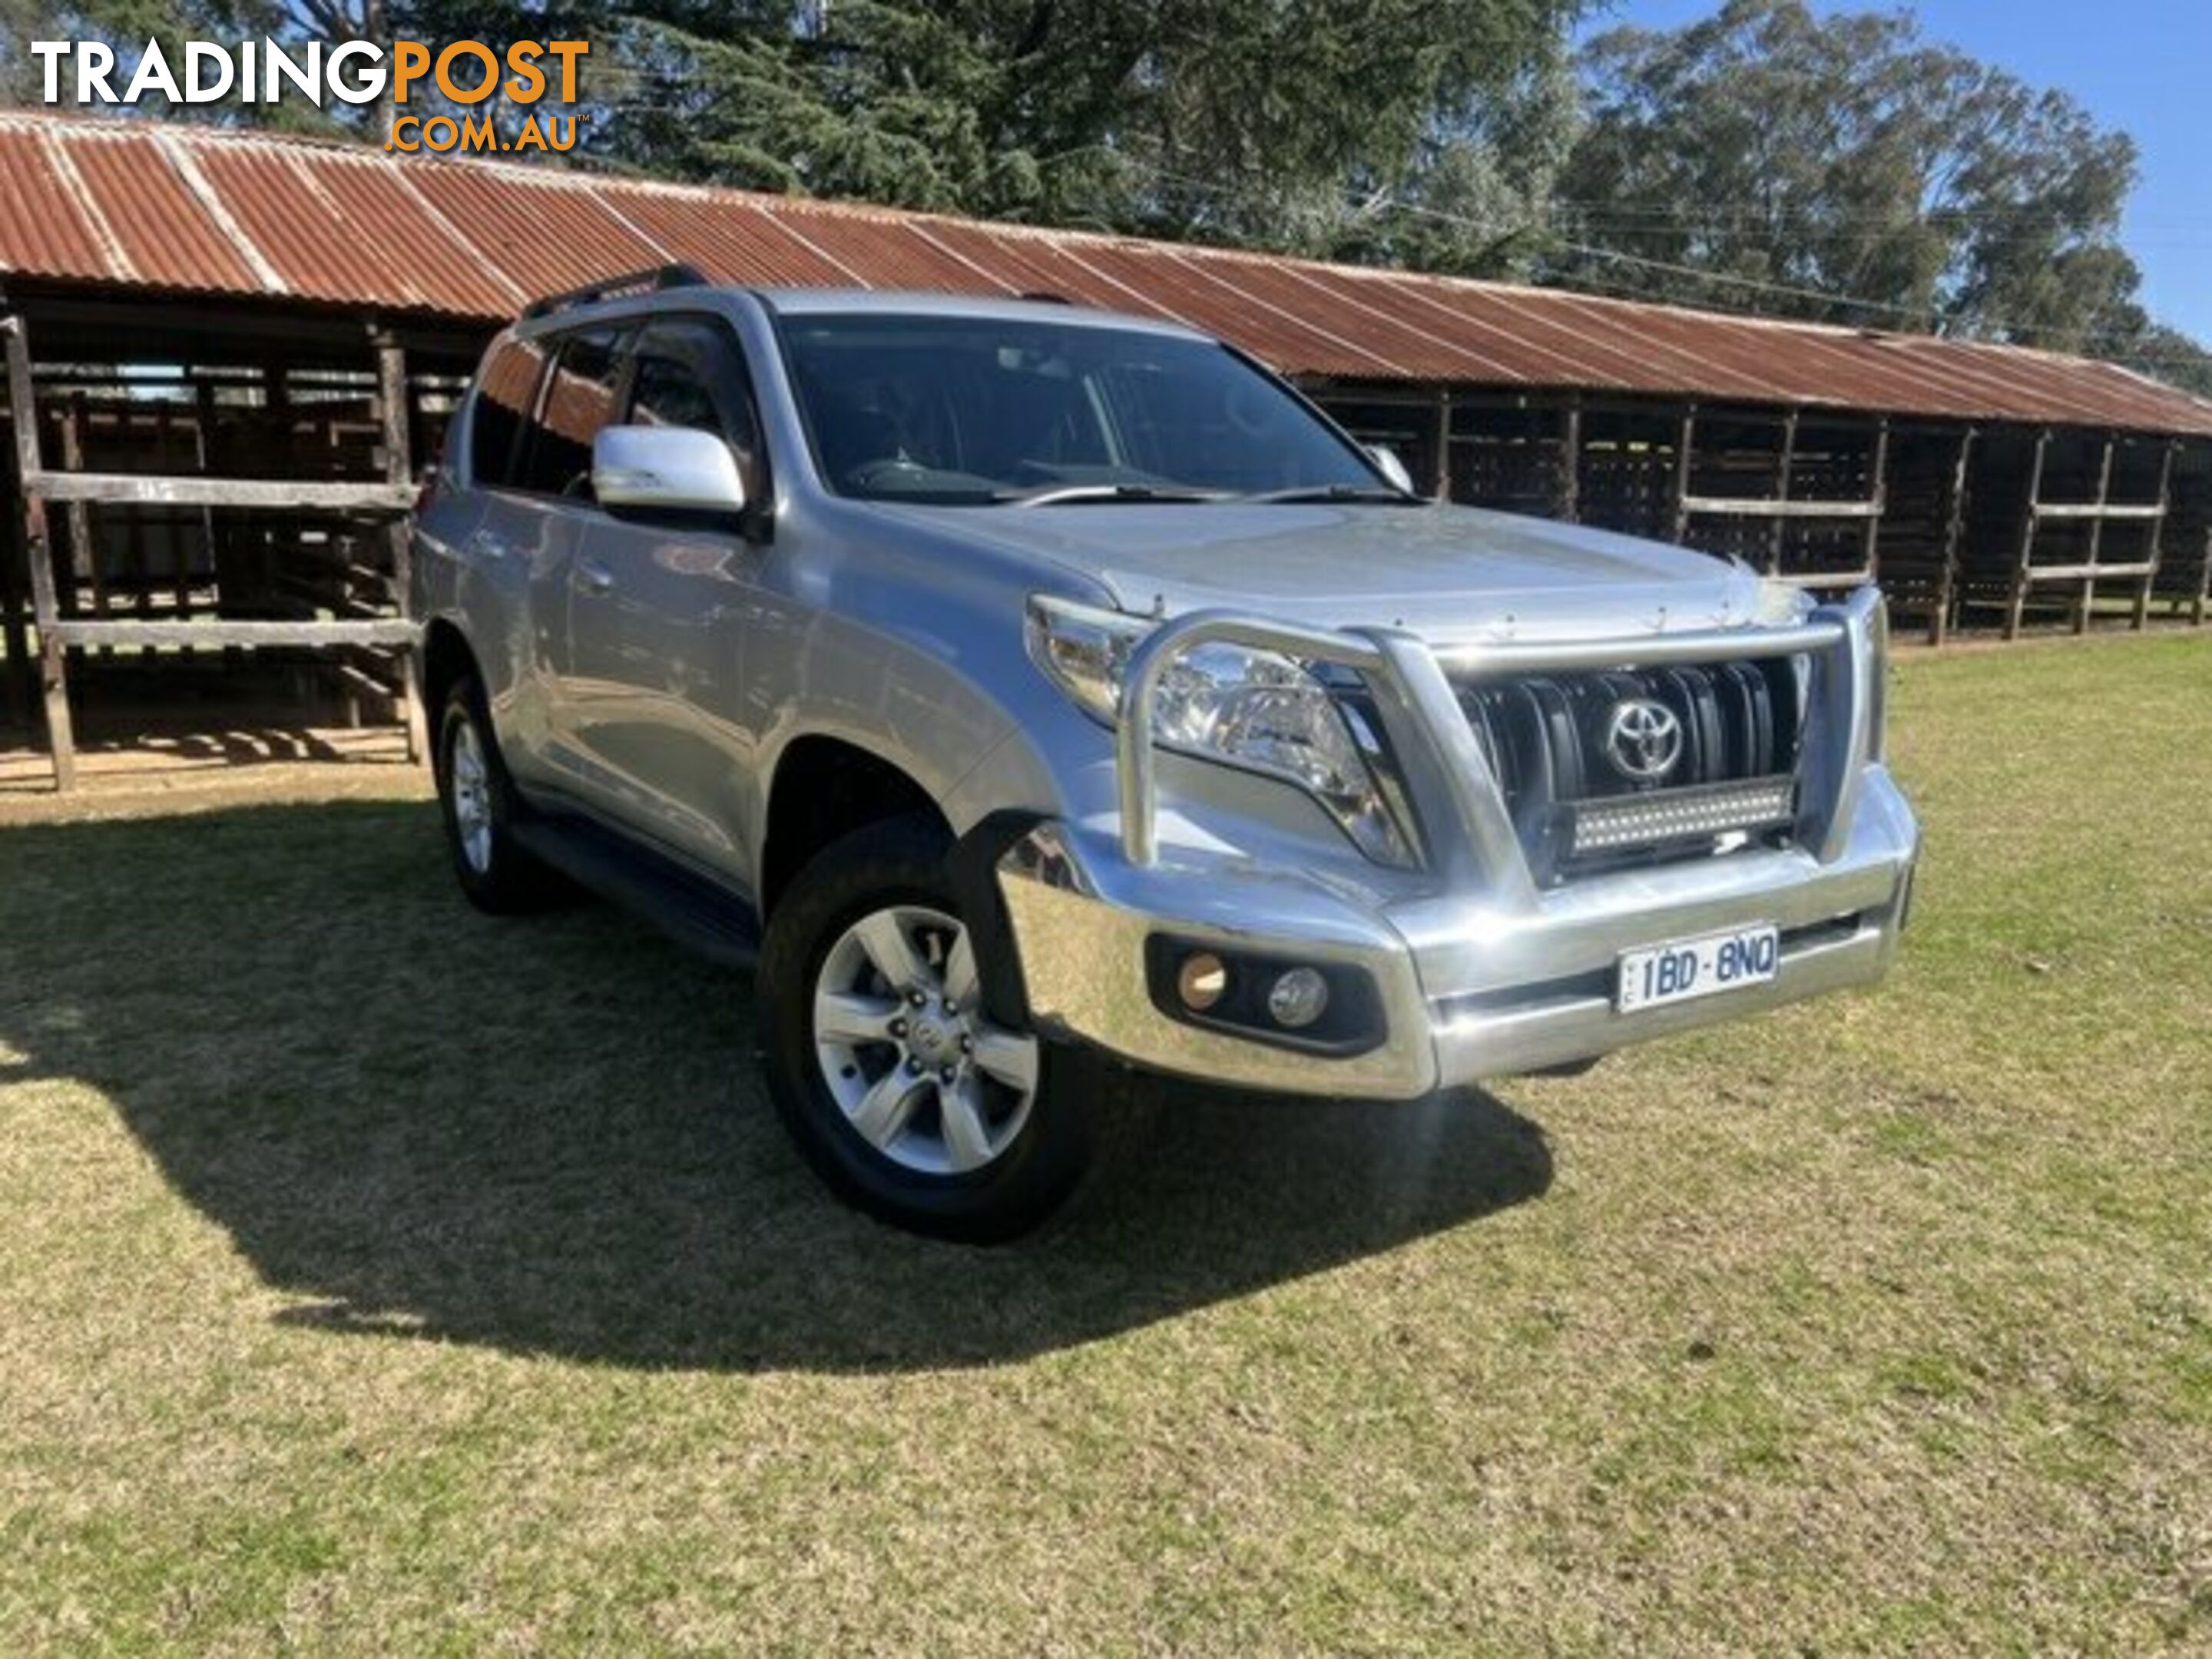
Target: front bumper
<point>1488,976</point>
<point>1467,991</point>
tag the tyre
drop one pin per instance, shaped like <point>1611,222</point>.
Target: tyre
<point>477,802</point>
<point>908,1098</point>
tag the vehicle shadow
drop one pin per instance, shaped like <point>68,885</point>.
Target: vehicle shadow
<point>547,1136</point>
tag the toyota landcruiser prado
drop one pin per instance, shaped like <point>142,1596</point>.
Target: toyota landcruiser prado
<point>1032,694</point>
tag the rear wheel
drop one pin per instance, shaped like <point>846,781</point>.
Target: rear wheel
<point>479,806</point>
<point>904,1092</point>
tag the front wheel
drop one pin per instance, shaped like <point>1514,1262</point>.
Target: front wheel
<point>903,1092</point>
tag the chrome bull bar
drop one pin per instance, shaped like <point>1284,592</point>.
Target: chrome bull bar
<point>1847,643</point>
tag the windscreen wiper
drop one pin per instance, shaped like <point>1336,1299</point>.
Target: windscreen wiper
<point>1056,495</point>
<point>1359,493</point>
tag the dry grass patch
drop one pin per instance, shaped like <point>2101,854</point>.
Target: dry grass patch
<point>376,1278</point>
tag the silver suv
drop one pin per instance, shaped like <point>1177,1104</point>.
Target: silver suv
<point>1038,698</point>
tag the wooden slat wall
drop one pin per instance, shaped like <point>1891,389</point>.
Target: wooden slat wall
<point>1937,511</point>
<point>233,519</point>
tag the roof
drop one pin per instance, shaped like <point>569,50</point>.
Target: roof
<point>909,302</point>
<point>628,301</point>
<point>126,204</point>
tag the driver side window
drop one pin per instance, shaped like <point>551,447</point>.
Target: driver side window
<point>690,373</point>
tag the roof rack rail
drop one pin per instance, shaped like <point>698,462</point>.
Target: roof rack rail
<point>610,287</point>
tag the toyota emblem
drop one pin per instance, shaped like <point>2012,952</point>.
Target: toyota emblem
<point>1642,739</point>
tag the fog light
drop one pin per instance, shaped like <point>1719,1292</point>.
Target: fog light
<point>1201,981</point>
<point>1298,998</point>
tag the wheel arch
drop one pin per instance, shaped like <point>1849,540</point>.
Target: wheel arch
<point>823,787</point>
<point>447,659</point>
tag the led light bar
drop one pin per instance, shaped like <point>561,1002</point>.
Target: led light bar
<point>1607,826</point>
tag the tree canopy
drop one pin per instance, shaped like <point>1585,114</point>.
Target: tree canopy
<point>1238,120</point>
<point>1840,168</point>
<point>1768,158</point>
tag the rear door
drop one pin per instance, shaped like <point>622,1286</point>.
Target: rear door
<point>548,516</point>
<point>657,611</point>
<point>513,545</point>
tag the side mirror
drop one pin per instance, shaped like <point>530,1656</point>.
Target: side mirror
<point>674,468</point>
<point>1386,459</point>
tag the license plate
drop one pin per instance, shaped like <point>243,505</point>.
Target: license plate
<point>1688,968</point>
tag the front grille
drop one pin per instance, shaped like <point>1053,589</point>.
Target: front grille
<point>1551,742</point>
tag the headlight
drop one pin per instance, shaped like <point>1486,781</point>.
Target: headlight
<point>1256,709</point>
<point>1782,604</point>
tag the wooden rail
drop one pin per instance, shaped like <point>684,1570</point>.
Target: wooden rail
<point>258,494</point>
<point>2083,572</point>
<point>387,632</point>
<point>1754,506</point>
<point>2109,511</point>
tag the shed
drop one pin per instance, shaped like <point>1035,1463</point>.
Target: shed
<point>230,354</point>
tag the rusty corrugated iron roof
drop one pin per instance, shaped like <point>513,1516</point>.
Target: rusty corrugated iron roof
<point>127,204</point>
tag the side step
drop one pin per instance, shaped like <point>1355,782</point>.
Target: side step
<point>703,917</point>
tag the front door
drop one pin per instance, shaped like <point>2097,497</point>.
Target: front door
<point>656,616</point>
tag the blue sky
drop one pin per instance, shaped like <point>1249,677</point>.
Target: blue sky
<point>2144,66</point>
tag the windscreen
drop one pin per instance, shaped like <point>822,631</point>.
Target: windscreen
<point>981,411</point>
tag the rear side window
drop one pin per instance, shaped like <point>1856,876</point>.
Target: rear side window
<point>505,393</point>
<point>580,399</point>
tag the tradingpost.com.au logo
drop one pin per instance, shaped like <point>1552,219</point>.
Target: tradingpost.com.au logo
<point>467,74</point>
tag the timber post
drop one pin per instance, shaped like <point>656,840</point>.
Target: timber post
<point>204,415</point>
<point>2157,550</point>
<point>38,551</point>
<point>1683,443</point>
<point>1443,476</point>
<point>1787,460</point>
<point>1955,528</point>
<point>2087,600</point>
<point>1878,494</point>
<point>14,626</point>
<point>392,411</point>
<point>2029,510</point>
<point>1570,504</point>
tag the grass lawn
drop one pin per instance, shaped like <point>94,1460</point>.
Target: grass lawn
<point>377,1278</point>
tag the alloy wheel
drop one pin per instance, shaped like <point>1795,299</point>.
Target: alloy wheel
<point>471,788</point>
<point>919,1071</point>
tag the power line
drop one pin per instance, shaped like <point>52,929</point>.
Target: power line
<point>1389,200</point>
<point>1397,203</point>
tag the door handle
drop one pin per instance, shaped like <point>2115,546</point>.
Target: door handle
<point>596,576</point>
